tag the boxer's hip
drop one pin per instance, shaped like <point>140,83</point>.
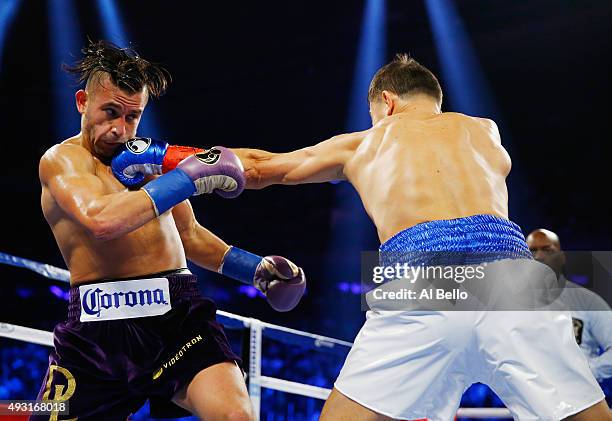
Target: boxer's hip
<point>137,297</point>
<point>139,319</point>
<point>469,240</point>
<point>153,353</point>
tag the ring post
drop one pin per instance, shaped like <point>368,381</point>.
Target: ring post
<point>255,365</point>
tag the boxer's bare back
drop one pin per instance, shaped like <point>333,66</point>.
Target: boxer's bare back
<point>413,166</point>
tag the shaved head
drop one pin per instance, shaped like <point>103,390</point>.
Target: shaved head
<point>542,235</point>
<point>122,66</point>
<point>546,248</point>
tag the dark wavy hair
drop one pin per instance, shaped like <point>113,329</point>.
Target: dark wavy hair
<point>404,76</point>
<point>126,69</point>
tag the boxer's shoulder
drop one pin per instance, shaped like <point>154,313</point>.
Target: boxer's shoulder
<point>66,158</point>
<point>489,126</point>
<point>349,140</point>
<point>459,118</point>
<point>67,152</point>
<point>462,124</point>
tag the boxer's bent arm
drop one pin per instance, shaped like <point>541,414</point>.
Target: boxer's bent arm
<point>202,247</point>
<point>314,164</point>
<point>68,173</point>
<point>281,281</point>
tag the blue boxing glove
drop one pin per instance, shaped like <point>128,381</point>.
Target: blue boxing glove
<point>279,279</point>
<point>142,156</point>
<point>217,169</point>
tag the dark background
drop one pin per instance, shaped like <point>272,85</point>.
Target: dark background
<point>278,76</point>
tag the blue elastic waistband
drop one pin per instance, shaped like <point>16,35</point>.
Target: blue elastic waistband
<point>470,240</point>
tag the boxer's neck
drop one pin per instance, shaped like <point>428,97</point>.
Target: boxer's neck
<point>86,141</point>
<point>417,107</point>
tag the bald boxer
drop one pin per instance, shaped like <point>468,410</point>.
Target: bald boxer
<point>137,326</point>
<point>591,315</point>
<point>435,182</point>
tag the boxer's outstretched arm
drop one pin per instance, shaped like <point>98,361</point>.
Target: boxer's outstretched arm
<point>314,164</point>
<point>68,173</point>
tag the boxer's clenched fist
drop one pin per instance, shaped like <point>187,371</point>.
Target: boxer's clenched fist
<point>199,171</point>
<point>279,279</point>
<point>217,169</point>
<point>142,156</point>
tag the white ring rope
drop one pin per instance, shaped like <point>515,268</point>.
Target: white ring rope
<point>257,381</point>
<point>26,334</point>
<point>229,320</point>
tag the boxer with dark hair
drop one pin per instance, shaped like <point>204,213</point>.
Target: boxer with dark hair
<point>137,326</point>
<point>433,183</point>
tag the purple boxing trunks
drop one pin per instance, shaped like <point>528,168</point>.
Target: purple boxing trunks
<point>107,369</point>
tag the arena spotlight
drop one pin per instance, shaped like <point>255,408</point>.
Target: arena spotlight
<point>370,57</point>
<point>8,8</point>
<point>462,74</point>
<point>352,230</point>
<point>113,30</point>
<point>64,46</point>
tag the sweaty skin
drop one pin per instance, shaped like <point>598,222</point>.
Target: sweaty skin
<point>102,229</point>
<point>413,166</point>
<point>106,231</point>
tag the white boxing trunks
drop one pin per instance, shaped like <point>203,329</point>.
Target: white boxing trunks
<point>416,363</point>
<point>413,365</point>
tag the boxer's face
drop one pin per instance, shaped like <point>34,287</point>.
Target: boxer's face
<point>110,116</point>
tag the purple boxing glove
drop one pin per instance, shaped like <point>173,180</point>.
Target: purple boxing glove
<point>217,169</point>
<point>281,281</point>
<point>142,156</point>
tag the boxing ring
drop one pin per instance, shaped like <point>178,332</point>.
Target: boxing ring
<point>257,330</point>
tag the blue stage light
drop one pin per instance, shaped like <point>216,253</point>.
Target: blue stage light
<point>353,232</point>
<point>464,80</point>
<point>8,8</point>
<point>113,30</point>
<point>64,46</point>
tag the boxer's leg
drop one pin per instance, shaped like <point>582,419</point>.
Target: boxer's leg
<point>599,411</point>
<point>205,378</point>
<point>536,367</point>
<point>217,393</point>
<point>340,408</point>
<point>81,373</point>
<point>405,365</point>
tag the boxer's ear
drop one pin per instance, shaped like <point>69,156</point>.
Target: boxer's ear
<point>390,100</point>
<point>81,100</point>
